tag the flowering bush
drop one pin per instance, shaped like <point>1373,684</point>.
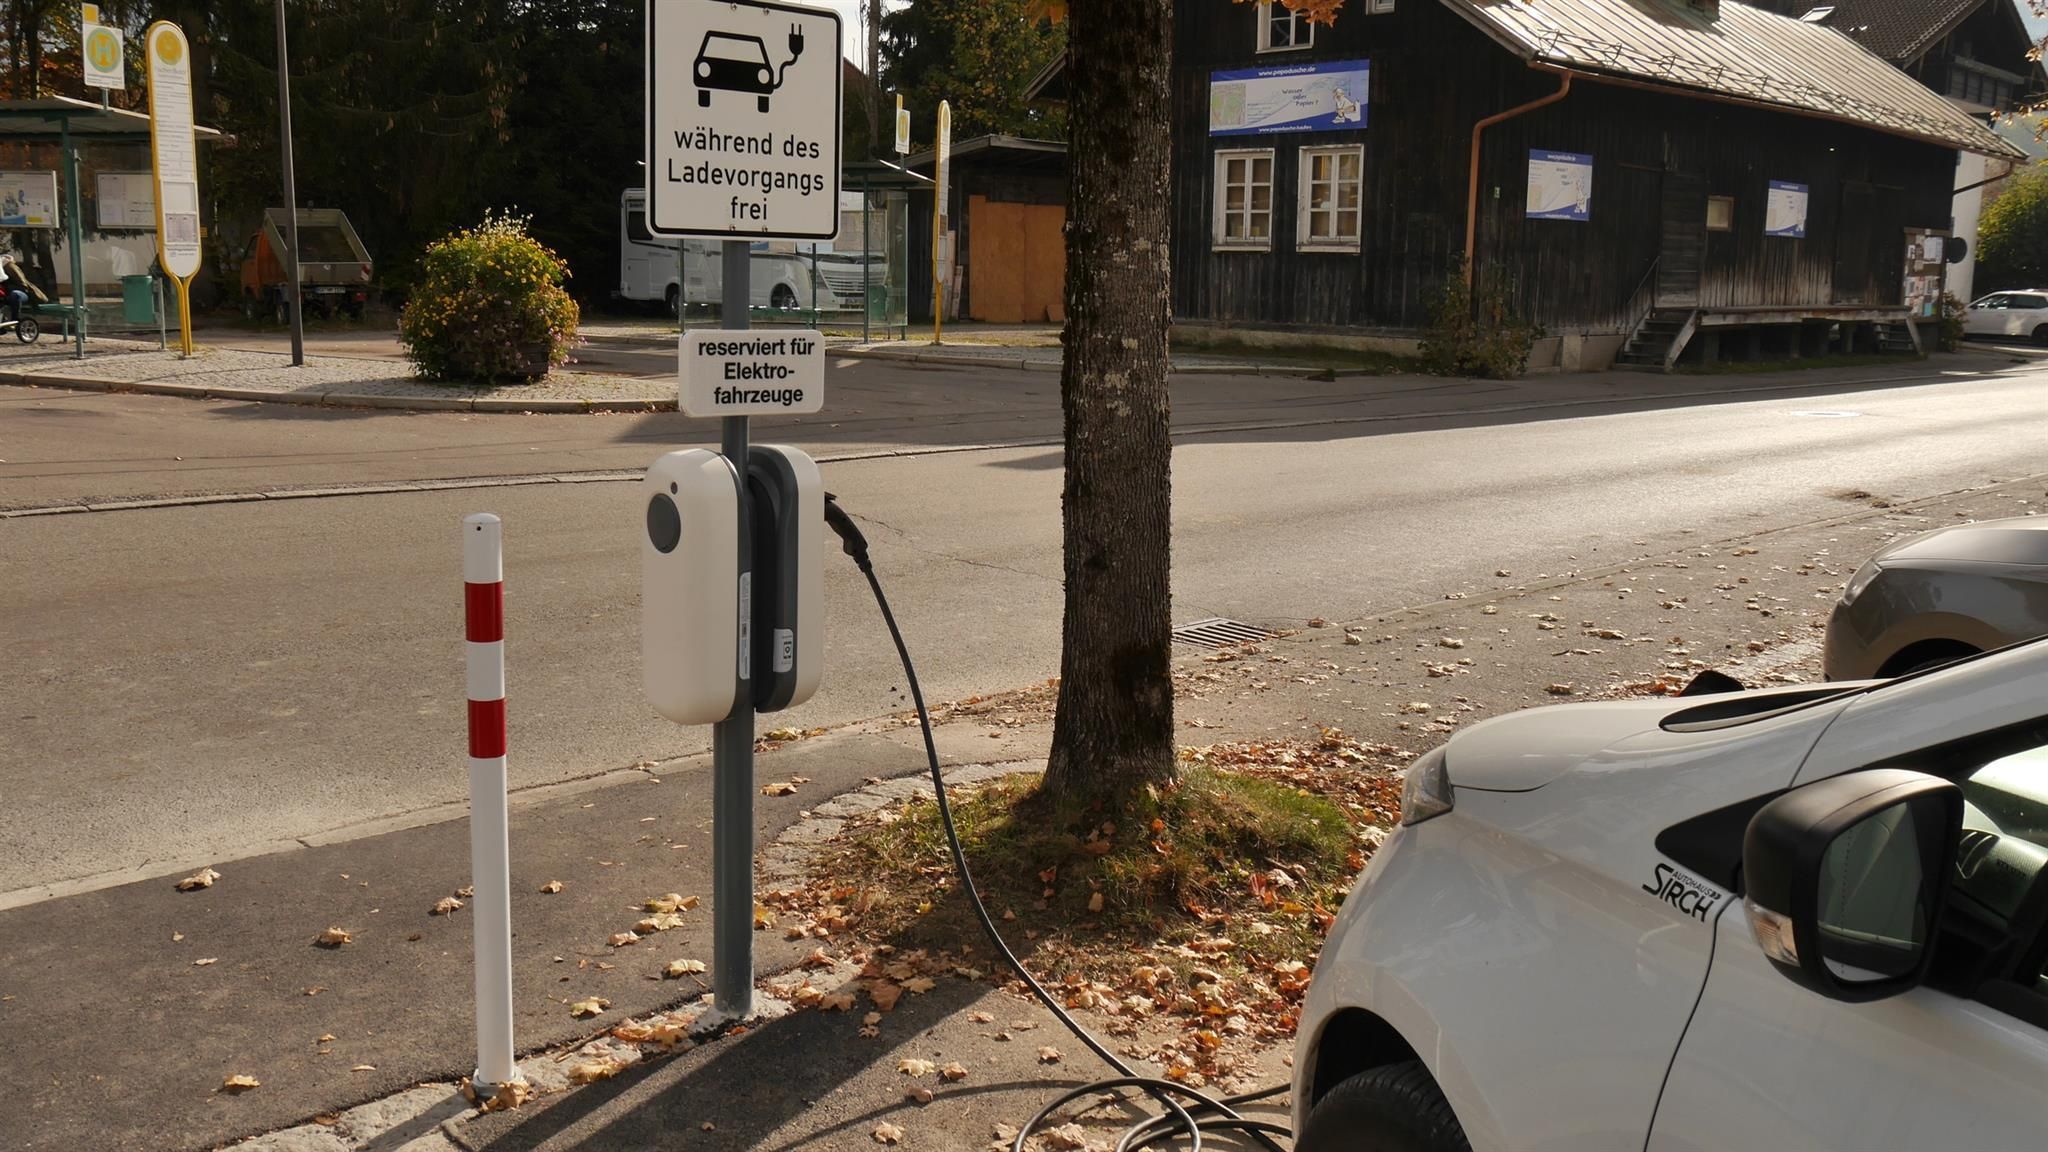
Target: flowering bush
<point>489,306</point>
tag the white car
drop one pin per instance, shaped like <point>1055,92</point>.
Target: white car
<point>1808,918</point>
<point>2010,315</point>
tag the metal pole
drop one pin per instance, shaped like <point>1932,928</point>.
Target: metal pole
<point>291,196</point>
<point>75,236</point>
<point>732,739</point>
<point>490,856</point>
<point>867,299</point>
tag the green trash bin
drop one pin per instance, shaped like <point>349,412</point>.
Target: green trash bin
<point>138,300</point>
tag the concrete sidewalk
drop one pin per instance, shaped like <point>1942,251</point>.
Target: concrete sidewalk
<point>361,382</point>
<point>124,1009</point>
<point>332,381</point>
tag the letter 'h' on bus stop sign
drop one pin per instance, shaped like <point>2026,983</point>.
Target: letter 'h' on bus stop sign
<point>742,120</point>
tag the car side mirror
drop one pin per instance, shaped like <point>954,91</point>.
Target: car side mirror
<point>1845,880</point>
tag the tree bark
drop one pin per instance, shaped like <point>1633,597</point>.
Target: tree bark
<point>1113,731</point>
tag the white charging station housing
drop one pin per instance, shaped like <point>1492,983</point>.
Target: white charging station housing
<point>693,603</point>
<point>786,500</point>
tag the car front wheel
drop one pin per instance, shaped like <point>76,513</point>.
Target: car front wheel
<point>1392,1108</point>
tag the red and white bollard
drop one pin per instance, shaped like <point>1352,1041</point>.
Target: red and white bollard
<point>490,860</point>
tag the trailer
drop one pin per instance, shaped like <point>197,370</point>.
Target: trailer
<point>334,267</point>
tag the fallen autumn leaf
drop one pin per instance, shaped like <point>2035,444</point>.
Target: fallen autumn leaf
<point>203,878</point>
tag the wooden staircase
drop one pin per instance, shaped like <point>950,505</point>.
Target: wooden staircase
<point>1899,339</point>
<point>1657,341</point>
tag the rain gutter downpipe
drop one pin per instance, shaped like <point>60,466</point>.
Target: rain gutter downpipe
<point>1564,88</point>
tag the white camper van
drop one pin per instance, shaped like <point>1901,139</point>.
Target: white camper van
<point>649,270</point>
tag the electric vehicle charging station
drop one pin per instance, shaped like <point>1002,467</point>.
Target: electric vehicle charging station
<point>732,605</point>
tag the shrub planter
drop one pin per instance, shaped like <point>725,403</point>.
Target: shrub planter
<point>489,307</point>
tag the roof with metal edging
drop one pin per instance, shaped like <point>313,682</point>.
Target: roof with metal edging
<point>1744,53</point>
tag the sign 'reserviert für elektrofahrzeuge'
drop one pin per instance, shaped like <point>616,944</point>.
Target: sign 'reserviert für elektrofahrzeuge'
<point>757,372</point>
<point>742,119</point>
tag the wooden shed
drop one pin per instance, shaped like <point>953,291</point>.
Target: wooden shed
<point>1008,216</point>
<point>1643,176</point>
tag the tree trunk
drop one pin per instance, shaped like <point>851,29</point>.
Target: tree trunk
<point>1113,732</point>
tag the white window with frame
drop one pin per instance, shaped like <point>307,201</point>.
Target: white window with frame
<point>1244,199</point>
<point>1379,5</point>
<point>1332,187</point>
<point>1282,29</point>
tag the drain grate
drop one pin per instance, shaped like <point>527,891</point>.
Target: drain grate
<point>1219,633</point>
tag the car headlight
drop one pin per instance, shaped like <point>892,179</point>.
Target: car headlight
<point>1426,789</point>
<point>1861,580</point>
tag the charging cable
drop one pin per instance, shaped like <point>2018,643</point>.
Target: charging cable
<point>1202,1114</point>
<point>796,51</point>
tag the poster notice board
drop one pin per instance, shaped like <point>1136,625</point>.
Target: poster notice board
<point>127,200</point>
<point>28,199</point>
<point>1560,185</point>
<point>1785,210</point>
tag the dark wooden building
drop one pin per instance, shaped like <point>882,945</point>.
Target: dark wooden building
<point>1648,172</point>
<point>1007,216</point>
<point>1978,53</point>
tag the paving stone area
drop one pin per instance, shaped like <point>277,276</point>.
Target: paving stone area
<point>240,374</point>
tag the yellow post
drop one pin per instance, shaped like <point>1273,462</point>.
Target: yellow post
<point>184,314</point>
<point>939,190</point>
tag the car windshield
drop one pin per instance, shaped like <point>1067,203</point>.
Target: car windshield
<point>722,46</point>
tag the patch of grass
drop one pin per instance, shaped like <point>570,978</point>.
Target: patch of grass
<point>1746,367</point>
<point>1330,356</point>
<point>1236,870</point>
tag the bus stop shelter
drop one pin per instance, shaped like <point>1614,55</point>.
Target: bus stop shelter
<point>71,125</point>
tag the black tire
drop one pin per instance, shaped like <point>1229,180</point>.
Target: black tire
<point>1392,1108</point>
<point>1920,658</point>
<point>29,330</point>
<point>281,311</point>
<point>783,298</point>
<point>250,308</point>
<point>2041,334</point>
<point>675,301</point>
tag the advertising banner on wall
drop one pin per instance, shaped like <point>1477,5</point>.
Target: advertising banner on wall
<point>1560,185</point>
<point>1325,97</point>
<point>1785,210</point>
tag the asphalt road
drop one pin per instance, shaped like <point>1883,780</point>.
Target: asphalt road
<point>198,683</point>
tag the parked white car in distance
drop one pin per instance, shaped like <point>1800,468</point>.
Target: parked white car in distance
<point>2019,315</point>
<point>1805,918</point>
